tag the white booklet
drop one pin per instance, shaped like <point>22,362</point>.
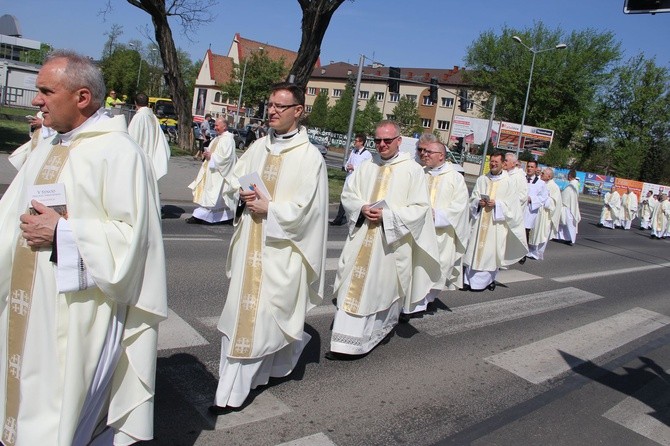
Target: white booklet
<point>51,195</point>
<point>254,181</point>
<point>381,204</point>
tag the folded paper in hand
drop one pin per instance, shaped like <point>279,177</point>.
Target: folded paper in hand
<point>253,181</point>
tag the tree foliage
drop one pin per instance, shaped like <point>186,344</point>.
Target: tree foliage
<point>564,82</point>
<point>319,114</point>
<point>37,56</point>
<point>407,116</point>
<point>340,113</point>
<point>367,119</point>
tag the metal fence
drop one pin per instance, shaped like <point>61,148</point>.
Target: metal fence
<point>16,97</point>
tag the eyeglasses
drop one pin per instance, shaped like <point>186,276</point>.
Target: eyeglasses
<point>421,151</point>
<point>387,141</point>
<point>279,107</point>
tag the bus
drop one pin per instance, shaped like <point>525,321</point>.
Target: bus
<point>164,110</point>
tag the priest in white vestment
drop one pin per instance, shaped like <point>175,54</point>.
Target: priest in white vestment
<point>548,219</point>
<point>39,132</point>
<point>276,260</point>
<point>660,218</point>
<point>646,208</point>
<point>628,208</point>
<point>537,195</point>
<point>390,259</point>
<point>570,215</point>
<point>497,237</point>
<point>219,161</point>
<point>449,204</point>
<point>517,177</point>
<point>82,294</point>
<point>611,212</point>
<point>146,130</point>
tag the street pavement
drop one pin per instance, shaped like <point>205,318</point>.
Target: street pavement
<point>572,350</point>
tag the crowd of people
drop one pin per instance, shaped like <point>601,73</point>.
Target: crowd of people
<point>653,211</point>
<point>89,272</point>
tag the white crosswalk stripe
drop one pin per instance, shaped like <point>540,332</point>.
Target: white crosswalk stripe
<point>470,317</point>
<point>319,439</point>
<point>555,355</point>
<point>175,332</point>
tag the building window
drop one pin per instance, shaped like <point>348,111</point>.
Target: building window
<point>394,97</point>
<point>411,97</point>
<point>217,97</point>
<point>427,101</point>
<point>390,117</point>
<point>425,123</point>
<point>363,94</point>
<point>311,91</point>
<point>308,109</point>
<point>448,102</point>
<point>337,92</point>
<point>324,90</point>
<point>442,125</point>
<point>379,96</point>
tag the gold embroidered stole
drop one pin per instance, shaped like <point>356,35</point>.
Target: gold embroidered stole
<point>361,265</point>
<point>200,187</point>
<point>485,221</point>
<point>433,186</point>
<point>20,300</point>
<point>243,340</point>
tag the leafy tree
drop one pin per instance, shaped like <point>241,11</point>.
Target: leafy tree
<point>340,113</point>
<point>316,15</point>
<point>261,73</point>
<point>319,115</point>
<point>37,56</point>
<point>120,70</point>
<point>407,116</point>
<point>636,105</point>
<point>112,40</point>
<point>564,82</point>
<point>369,117</point>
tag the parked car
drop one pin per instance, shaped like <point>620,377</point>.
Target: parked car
<point>322,148</point>
<point>239,139</point>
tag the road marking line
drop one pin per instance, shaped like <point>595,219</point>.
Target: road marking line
<point>546,359</point>
<point>641,412</point>
<point>586,276</point>
<point>319,439</point>
<point>331,263</point>
<point>335,244</point>
<point>192,239</point>
<point>514,275</point>
<point>175,332</point>
<point>265,406</point>
<point>471,317</point>
<point>209,321</point>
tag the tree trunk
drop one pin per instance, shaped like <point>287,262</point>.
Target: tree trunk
<point>172,71</point>
<point>316,15</point>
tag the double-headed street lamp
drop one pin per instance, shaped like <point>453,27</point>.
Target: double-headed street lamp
<point>239,99</point>
<point>139,68</point>
<point>517,39</point>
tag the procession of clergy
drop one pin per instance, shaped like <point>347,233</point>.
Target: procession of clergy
<point>653,210</point>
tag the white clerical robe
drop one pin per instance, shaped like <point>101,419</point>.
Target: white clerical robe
<point>628,209</point>
<point>547,222</point>
<point>215,206</point>
<point>281,257</point>
<point>497,237</point>
<point>518,178</point>
<point>449,202</point>
<point>646,209</point>
<point>537,195</point>
<point>145,129</point>
<point>383,267</point>
<point>611,212</point>
<point>660,219</point>
<point>570,216</point>
<point>89,352</point>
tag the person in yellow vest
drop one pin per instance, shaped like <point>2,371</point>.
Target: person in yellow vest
<point>112,101</point>
<point>82,274</point>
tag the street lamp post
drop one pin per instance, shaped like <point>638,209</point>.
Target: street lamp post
<point>239,99</point>
<point>517,39</point>
<point>139,68</point>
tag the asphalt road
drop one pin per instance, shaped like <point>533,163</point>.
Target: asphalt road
<point>571,350</point>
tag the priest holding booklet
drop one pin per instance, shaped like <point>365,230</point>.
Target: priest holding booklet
<point>390,259</point>
<point>82,294</point>
<point>276,260</point>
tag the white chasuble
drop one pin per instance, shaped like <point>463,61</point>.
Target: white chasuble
<point>145,129</point>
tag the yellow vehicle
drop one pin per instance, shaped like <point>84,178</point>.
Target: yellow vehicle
<point>164,110</point>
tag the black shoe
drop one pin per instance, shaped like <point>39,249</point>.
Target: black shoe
<point>523,260</point>
<point>195,221</point>
<point>404,318</point>
<point>333,356</point>
<point>466,287</point>
<point>336,223</point>
<point>491,287</point>
<point>219,410</point>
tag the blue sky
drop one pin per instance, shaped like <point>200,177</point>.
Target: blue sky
<point>430,34</point>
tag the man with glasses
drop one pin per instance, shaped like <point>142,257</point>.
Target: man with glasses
<point>390,257</point>
<point>449,204</point>
<point>356,157</point>
<point>497,238</point>
<point>276,260</point>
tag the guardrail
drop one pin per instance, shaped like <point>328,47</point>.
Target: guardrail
<point>17,97</point>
